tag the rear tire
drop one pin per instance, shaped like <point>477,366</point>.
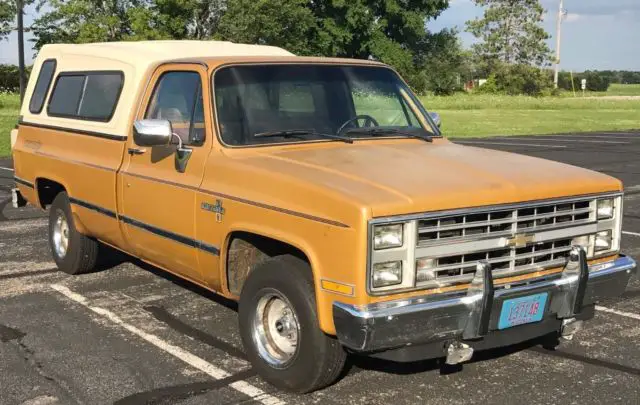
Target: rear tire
<point>73,252</point>
<point>279,328</point>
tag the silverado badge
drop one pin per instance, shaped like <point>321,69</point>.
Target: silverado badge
<point>216,208</point>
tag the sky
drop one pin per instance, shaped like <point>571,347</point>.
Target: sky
<point>596,34</point>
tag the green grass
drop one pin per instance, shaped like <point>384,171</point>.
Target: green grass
<point>623,90</point>
<point>614,90</point>
<point>9,110</point>
<point>466,115</point>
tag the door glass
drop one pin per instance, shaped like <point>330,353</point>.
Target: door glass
<point>178,98</point>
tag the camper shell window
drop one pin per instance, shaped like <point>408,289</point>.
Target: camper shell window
<point>47,69</point>
<point>91,96</point>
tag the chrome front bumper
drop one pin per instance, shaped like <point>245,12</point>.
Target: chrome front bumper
<point>434,318</point>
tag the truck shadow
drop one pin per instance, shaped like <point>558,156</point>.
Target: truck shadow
<point>360,363</point>
<point>355,363</point>
<point>113,258</point>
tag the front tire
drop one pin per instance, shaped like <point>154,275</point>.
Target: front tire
<point>279,328</point>
<point>73,252</point>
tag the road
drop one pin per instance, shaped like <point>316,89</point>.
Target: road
<point>131,334</point>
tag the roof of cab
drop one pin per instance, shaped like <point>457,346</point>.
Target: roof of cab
<point>145,53</point>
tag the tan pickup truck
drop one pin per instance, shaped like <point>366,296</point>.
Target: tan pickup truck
<point>320,194</point>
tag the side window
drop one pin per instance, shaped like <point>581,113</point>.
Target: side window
<point>43,83</point>
<point>91,96</point>
<point>177,97</point>
<point>66,96</point>
<point>100,96</point>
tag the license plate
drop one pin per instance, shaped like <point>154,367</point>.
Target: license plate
<point>518,311</point>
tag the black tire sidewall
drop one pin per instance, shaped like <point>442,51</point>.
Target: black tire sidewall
<point>61,204</point>
<point>301,373</point>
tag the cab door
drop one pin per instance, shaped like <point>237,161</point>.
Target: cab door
<point>158,187</point>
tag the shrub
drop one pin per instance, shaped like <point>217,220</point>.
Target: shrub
<point>518,79</point>
<point>489,87</point>
<point>523,79</point>
<point>10,78</point>
<point>596,81</point>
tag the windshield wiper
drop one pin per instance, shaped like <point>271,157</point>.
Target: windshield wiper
<point>388,131</point>
<point>301,132</point>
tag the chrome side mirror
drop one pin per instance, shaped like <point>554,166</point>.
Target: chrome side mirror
<point>152,132</point>
<point>436,118</point>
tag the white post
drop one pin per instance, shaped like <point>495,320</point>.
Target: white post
<point>558,37</point>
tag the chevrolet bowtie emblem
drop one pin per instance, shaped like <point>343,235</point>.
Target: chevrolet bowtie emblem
<point>520,240</point>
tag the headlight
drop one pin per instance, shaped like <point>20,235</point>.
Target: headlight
<point>605,208</point>
<point>387,236</point>
<point>386,274</point>
<point>604,241</point>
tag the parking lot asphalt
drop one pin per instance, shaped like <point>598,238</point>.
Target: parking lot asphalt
<point>131,334</point>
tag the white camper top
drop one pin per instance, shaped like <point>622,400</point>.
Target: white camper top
<point>145,53</point>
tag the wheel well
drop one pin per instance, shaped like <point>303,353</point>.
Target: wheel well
<point>247,250</point>
<point>47,191</point>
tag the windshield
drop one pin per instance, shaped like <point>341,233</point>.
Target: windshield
<point>264,104</point>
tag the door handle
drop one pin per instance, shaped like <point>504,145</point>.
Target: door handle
<point>136,151</point>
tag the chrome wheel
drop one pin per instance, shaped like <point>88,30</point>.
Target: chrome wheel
<point>60,236</point>
<point>275,329</point>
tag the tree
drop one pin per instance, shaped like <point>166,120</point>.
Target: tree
<point>288,24</point>
<point>7,17</point>
<point>510,32</point>
<point>79,21</point>
<point>442,63</point>
<point>392,31</point>
<point>184,19</point>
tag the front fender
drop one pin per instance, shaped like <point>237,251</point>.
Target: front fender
<point>323,264</point>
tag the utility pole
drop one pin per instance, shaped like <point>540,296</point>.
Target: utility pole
<point>561,13</point>
<point>19,6</point>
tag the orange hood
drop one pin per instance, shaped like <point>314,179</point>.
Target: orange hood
<point>406,176</point>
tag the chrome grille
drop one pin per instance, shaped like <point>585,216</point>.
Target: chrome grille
<point>515,241</point>
<point>454,228</point>
<point>460,268</point>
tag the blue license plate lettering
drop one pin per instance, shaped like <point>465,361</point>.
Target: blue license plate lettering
<point>519,311</point>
